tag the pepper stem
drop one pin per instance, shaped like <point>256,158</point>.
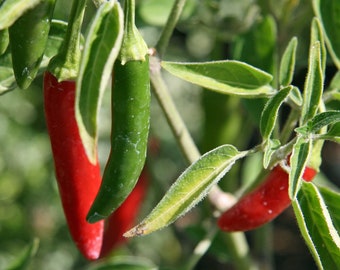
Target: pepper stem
<point>65,65</point>
<point>133,47</point>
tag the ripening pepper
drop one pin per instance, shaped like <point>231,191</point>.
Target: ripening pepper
<point>263,204</point>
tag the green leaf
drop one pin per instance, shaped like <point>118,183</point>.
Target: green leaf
<point>4,40</point>
<point>313,85</point>
<point>101,49</point>
<point>298,162</point>
<point>328,13</point>
<point>333,134</point>
<point>295,96</point>
<point>11,10</point>
<point>22,262</point>
<point>287,64</point>
<point>270,112</point>
<point>190,188</point>
<point>318,227</point>
<point>227,77</point>
<point>317,35</point>
<point>332,199</point>
<point>270,148</point>
<point>323,119</point>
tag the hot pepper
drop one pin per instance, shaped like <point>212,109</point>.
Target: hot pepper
<point>130,127</point>
<point>78,179</point>
<point>28,37</point>
<point>263,204</point>
<point>123,218</point>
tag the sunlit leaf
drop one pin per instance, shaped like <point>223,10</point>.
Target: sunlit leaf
<point>101,49</point>
<point>298,162</point>
<point>313,85</point>
<point>328,13</point>
<point>270,112</point>
<point>227,77</point>
<point>319,224</point>
<point>317,35</point>
<point>190,188</point>
<point>11,10</point>
<point>287,64</point>
<point>323,119</point>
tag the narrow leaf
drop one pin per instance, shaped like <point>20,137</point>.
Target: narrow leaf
<point>333,134</point>
<point>298,162</point>
<point>317,226</point>
<point>101,49</point>
<point>270,112</point>
<point>287,64</point>
<point>313,85</point>
<point>317,35</point>
<point>332,200</point>
<point>190,188</point>
<point>227,77</point>
<point>328,13</point>
<point>323,119</point>
<point>11,10</point>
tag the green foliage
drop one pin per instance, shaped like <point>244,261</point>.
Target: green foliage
<point>251,59</point>
<point>319,225</point>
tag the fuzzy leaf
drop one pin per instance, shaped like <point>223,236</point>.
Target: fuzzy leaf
<point>298,162</point>
<point>287,64</point>
<point>226,77</point>
<point>317,35</point>
<point>323,119</point>
<point>313,85</point>
<point>328,13</point>
<point>190,188</point>
<point>270,112</point>
<point>319,224</point>
<point>101,49</point>
<point>11,10</point>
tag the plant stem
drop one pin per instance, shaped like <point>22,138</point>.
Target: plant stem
<point>169,26</point>
<point>191,153</point>
<point>173,117</point>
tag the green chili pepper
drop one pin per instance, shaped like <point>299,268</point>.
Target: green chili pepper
<point>28,37</point>
<point>4,40</point>
<point>130,128</point>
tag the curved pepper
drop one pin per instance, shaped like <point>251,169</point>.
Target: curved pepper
<point>263,204</point>
<point>78,179</point>
<point>123,218</point>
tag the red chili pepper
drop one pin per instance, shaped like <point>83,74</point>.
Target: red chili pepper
<point>78,179</point>
<point>123,218</point>
<point>263,204</point>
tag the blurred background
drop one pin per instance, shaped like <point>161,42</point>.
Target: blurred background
<point>208,30</point>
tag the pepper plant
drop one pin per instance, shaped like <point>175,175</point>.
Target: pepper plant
<point>241,119</point>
